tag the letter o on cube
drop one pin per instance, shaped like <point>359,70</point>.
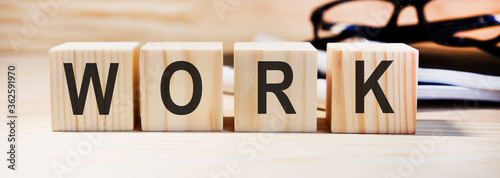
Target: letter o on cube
<point>181,86</point>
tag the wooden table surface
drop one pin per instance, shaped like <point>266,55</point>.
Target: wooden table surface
<point>452,140</point>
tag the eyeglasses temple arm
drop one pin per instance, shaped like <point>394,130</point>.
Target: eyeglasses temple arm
<point>465,24</point>
<point>317,15</point>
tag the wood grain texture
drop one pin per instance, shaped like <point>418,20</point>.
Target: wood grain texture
<point>469,145</point>
<point>122,111</point>
<point>207,58</point>
<point>302,58</point>
<point>152,20</point>
<point>398,83</point>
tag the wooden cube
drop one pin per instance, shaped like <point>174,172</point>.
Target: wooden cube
<point>275,87</point>
<point>371,88</point>
<point>92,86</point>
<point>181,86</point>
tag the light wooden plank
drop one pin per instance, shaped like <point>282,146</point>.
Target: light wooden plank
<point>152,20</point>
<point>471,137</point>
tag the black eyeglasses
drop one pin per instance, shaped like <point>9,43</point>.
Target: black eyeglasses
<point>433,24</point>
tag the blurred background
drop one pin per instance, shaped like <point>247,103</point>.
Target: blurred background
<point>41,24</point>
<point>228,21</point>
